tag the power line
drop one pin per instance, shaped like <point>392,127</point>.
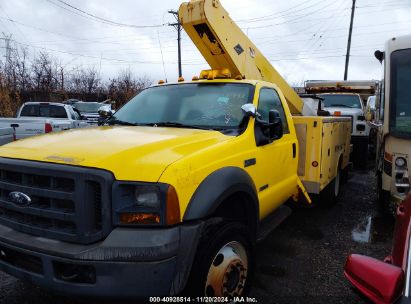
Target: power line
<point>104,20</point>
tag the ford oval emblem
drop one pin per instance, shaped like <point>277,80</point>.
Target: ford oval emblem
<point>20,199</point>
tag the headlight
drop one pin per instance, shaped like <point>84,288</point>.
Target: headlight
<point>145,204</point>
<point>400,162</point>
<point>147,196</point>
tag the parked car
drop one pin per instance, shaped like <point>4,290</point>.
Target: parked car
<point>71,101</point>
<point>90,110</point>
<point>386,281</point>
<point>42,117</point>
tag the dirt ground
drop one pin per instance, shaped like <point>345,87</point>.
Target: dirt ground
<point>301,261</point>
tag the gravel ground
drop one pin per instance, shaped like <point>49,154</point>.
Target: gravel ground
<point>301,261</point>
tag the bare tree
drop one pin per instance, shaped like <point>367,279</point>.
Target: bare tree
<point>126,85</point>
<point>46,72</point>
<point>84,81</point>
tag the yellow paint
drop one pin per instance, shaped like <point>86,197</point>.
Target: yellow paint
<point>185,157</point>
<point>218,49</point>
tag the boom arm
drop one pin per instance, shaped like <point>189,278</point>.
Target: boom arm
<point>224,46</point>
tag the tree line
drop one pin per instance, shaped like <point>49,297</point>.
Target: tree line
<point>24,78</point>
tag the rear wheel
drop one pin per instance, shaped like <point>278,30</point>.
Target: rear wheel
<point>329,195</point>
<point>223,263</point>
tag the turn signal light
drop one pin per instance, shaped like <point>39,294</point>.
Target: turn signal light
<point>388,156</point>
<point>139,218</point>
<point>337,113</point>
<point>173,207</point>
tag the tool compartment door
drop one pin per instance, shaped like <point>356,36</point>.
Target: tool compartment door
<point>328,158</point>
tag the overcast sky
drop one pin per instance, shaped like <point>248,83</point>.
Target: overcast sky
<point>303,39</point>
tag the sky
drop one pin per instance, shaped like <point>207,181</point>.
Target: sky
<point>303,39</point>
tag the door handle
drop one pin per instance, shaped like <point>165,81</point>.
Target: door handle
<point>294,150</point>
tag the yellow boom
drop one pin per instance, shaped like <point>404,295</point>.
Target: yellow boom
<point>228,51</point>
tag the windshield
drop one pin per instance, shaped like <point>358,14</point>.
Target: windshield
<point>87,107</point>
<point>341,100</point>
<point>400,95</point>
<point>209,106</point>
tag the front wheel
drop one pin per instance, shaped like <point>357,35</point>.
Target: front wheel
<point>223,263</point>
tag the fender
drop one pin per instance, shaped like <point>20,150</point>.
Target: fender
<point>218,186</point>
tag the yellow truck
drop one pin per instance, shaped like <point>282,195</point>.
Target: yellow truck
<point>172,193</point>
<point>349,99</point>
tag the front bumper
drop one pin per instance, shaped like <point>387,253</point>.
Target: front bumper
<point>129,263</point>
<point>359,139</point>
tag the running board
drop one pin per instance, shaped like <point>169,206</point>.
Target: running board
<point>272,221</point>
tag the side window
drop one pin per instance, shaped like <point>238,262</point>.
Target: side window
<point>30,111</point>
<point>58,112</point>
<point>269,100</point>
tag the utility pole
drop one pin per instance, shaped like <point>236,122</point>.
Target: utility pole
<point>177,26</point>
<point>347,57</point>
<point>7,66</point>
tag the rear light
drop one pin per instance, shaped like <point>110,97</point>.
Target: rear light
<point>48,127</point>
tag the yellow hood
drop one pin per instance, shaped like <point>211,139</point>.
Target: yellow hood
<point>130,153</point>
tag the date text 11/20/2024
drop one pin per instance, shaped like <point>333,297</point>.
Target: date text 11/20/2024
<point>203,300</point>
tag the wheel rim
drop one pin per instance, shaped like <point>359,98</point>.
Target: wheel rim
<point>228,271</point>
<point>337,184</point>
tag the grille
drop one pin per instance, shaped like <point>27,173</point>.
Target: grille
<point>67,203</point>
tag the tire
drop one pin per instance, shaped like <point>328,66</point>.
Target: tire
<point>329,196</point>
<point>361,155</point>
<point>224,261</point>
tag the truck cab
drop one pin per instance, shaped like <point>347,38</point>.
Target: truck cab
<point>394,129</point>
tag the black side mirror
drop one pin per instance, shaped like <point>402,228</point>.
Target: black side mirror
<point>379,55</point>
<point>275,125</point>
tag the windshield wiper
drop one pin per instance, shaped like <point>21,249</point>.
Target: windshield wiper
<point>116,121</point>
<point>338,105</point>
<point>175,124</point>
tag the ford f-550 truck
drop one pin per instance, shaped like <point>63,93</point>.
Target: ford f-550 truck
<point>174,191</point>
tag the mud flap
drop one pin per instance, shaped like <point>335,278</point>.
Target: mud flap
<point>301,195</point>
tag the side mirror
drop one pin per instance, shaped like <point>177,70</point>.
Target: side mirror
<point>275,124</point>
<point>368,116</point>
<point>249,110</point>
<point>379,55</point>
<point>104,113</point>
<point>379,281</point>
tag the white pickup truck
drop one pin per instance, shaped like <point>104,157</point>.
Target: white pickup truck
<point>348,99</point>
<point>35,118</point>
<point>6,135</point>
